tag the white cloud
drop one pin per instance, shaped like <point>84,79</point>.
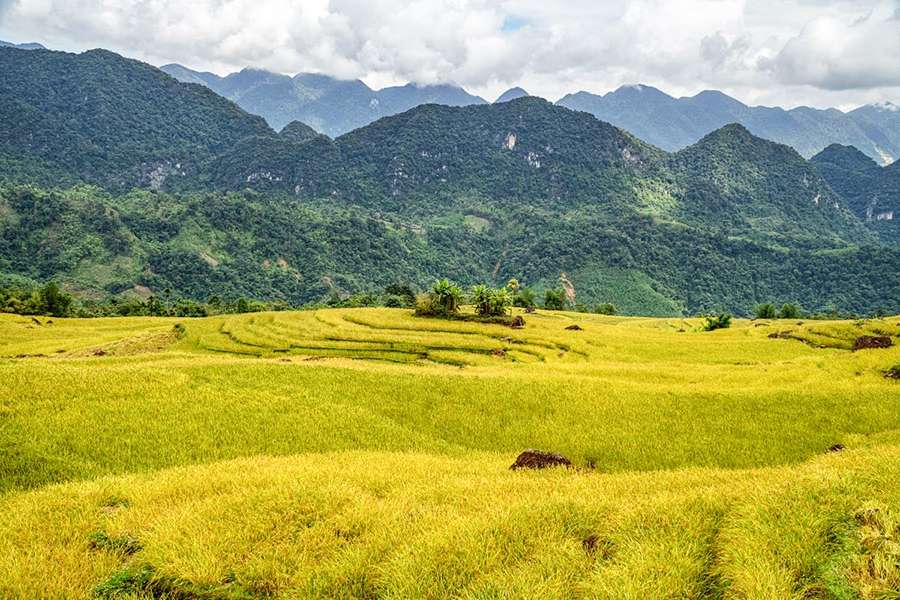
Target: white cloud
<point>839,55</point>
<point>757,50</point>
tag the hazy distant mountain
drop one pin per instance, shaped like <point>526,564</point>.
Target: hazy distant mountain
<point>511,94</point>
<point>26,46</point>
<point>674,123</point>
<point>331,106</point>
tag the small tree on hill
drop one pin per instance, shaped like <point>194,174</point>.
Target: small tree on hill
<point>445,297</point>
<point>606,308</point>
<point>789,311</point>
<point>54,301</point>
<point>765,311</point>
<point>524,297</point>
<point>555,299</point>
<point>501,301</point>
<point>722,321</point>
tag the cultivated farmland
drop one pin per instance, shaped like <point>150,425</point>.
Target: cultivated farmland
<point>365,452</point>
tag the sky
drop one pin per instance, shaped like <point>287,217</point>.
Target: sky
<point>820,53</point>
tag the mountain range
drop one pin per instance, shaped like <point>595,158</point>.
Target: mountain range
<point>334,107</point>
<point>116,178</point>
<point>331,106</point>
<point>674,123</point>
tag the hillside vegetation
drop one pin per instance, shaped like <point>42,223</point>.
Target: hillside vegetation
<point>360,453</point>
<point>191,194</point>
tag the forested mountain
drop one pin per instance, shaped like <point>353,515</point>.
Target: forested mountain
<point>331,106</point>
<point>334,107</point>
<point>871,191</point>
<point>102,118</point>
<point>522,188</point>
<point>674,123</point>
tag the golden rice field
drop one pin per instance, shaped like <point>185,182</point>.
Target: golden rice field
<point>364,453</point>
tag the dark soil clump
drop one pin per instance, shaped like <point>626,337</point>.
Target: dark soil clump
<point>836,448</point>
<point>574,328</point>
<point>872,341</point>
<point>538,459</point>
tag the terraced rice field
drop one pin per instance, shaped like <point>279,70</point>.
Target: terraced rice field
<point>364,453</point>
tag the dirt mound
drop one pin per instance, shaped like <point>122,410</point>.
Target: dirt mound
<point>781,335</point>
<point>574,328</point>
<point>872,341</point>
<point>530,309</point>
<point>517,322</point>
<point>538,459</point>
<point>836,448</point>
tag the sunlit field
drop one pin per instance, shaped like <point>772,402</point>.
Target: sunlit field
<point>365,453</point>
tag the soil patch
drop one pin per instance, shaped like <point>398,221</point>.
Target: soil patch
<point>538,459</point>
<point>865,342</point>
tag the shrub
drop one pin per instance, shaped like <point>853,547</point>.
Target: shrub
<point>424,305</point>
<point>446,297</point>
<point>403,293</point>
<point>555,299</point>
<point>491,302</point>
<point>501,301</point>
<point>442,301</point>
<point>524,298</point>
<point>605,308</point>
<point>395,302</point>
<point>481,299</point>
<point>789,311</point>
<point>722,321</point>
<point>765,311</point>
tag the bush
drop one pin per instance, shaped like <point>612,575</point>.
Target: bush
<point>555,299</point>
<point>789,311</point>
<point>424,305</point>
<point>765,311</point>
<point>722,321</point>
<point>491,302</point>
<point>605,309</point>
<point>442,301</point>
<point>401,293</point>
<point>524,298</point>
<point>446,297</point>
<point>395,302</point>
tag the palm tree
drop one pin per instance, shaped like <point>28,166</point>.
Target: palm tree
<point>482,298</point>
<point>447,296</point>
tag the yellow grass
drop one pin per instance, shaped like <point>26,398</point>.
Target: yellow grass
<point>364,453</point>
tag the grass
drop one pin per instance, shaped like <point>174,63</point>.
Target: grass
<point>364,453</point>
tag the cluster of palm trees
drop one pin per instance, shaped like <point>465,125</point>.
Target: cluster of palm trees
<point>445,298</point>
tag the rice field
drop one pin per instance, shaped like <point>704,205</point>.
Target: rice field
<point>364,453</point>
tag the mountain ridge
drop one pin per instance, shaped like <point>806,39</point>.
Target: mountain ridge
<point>524,188</point>
<point>674,123</point>
<point>332,106</point>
